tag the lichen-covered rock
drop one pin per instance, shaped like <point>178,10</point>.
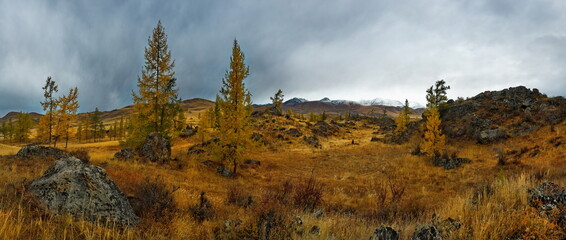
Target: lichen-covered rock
<point>426,232</point>
<point>39,151</point>
<point>156,148</point>
<point>491,135</point>
<point>385,233</point>
<point>124,154</point>
<point>70,186</point>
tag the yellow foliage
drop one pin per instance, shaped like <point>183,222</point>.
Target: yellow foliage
<point>434,141</point>
<point>156,104</point>
<point>235,108</point>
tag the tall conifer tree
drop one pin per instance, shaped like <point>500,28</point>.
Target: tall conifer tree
<point>156,104</point>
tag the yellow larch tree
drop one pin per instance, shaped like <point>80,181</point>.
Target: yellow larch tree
<point>404,117</point>
<point>235,108</point>
<point>66,115</point>
<point>434,141</point>
<point>156,104</point>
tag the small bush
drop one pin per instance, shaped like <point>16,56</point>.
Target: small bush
<point>203,210</point>
<point>308,196</point>
<point>154,200</point>
<point>237,196</point>
<point>397,190</point>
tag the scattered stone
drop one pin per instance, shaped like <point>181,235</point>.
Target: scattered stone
<point>426,232</point>
<point>70,186</point>
<point>252,162</point>
<point>224,172</point>
<point>39,151</point>
<point>385,233</point>
<point>256,137</point>
<point>375,139</point>
<point>312,141</point>
<point>492,135</point>
<point>209,163</point>
<point>315,230</point>
<point>293,132</point>
<point>124,154</point>
<point>318,213</point>
<point>449,163</point>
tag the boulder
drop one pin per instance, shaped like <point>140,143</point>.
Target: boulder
<point>293,132</point>
<point>449,163</point>
<point>385,233</point>
<point>124,154</point>
<point>39,151</point>
<point>70,186</point>
<point>492,135</point>
<point>312,141</point>
<point>426,232</point>
<point>156,148</point>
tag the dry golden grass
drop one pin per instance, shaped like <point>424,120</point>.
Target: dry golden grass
<point>350,175</point>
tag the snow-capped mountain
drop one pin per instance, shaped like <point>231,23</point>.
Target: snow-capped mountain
<point>294,101</point>
<point>389,102</point>
<point>372,102</point>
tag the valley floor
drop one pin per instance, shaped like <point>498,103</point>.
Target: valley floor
<point>353,178</point>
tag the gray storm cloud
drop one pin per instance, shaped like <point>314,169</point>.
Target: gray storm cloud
<point>340,49</point>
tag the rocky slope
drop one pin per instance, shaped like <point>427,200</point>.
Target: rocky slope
<point>495,115</point>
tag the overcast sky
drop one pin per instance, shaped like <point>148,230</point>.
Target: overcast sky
<point>313,49</point>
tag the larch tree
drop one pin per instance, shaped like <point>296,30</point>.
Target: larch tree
<point>67,114</point>
<point>434,141</point>
<point>95,123</point>
<point>277,100</point>
<point>156,104</point>
<point>22,129</point>
<point>235,108</point>
<point>49,105</point>
<point>3,130</point>
<point>436,95</point>
<point>404,117</point>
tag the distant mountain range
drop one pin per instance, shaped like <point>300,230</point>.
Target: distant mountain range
<point>372,102</point>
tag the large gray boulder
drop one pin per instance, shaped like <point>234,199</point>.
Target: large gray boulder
<point>70,186</point>
<point>34,150</point>
<point>156,148</point>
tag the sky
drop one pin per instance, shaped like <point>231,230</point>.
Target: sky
<point>341,49</point>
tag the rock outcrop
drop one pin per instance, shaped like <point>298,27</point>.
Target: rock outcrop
<point>70,186</point>
<point>493,115</point>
